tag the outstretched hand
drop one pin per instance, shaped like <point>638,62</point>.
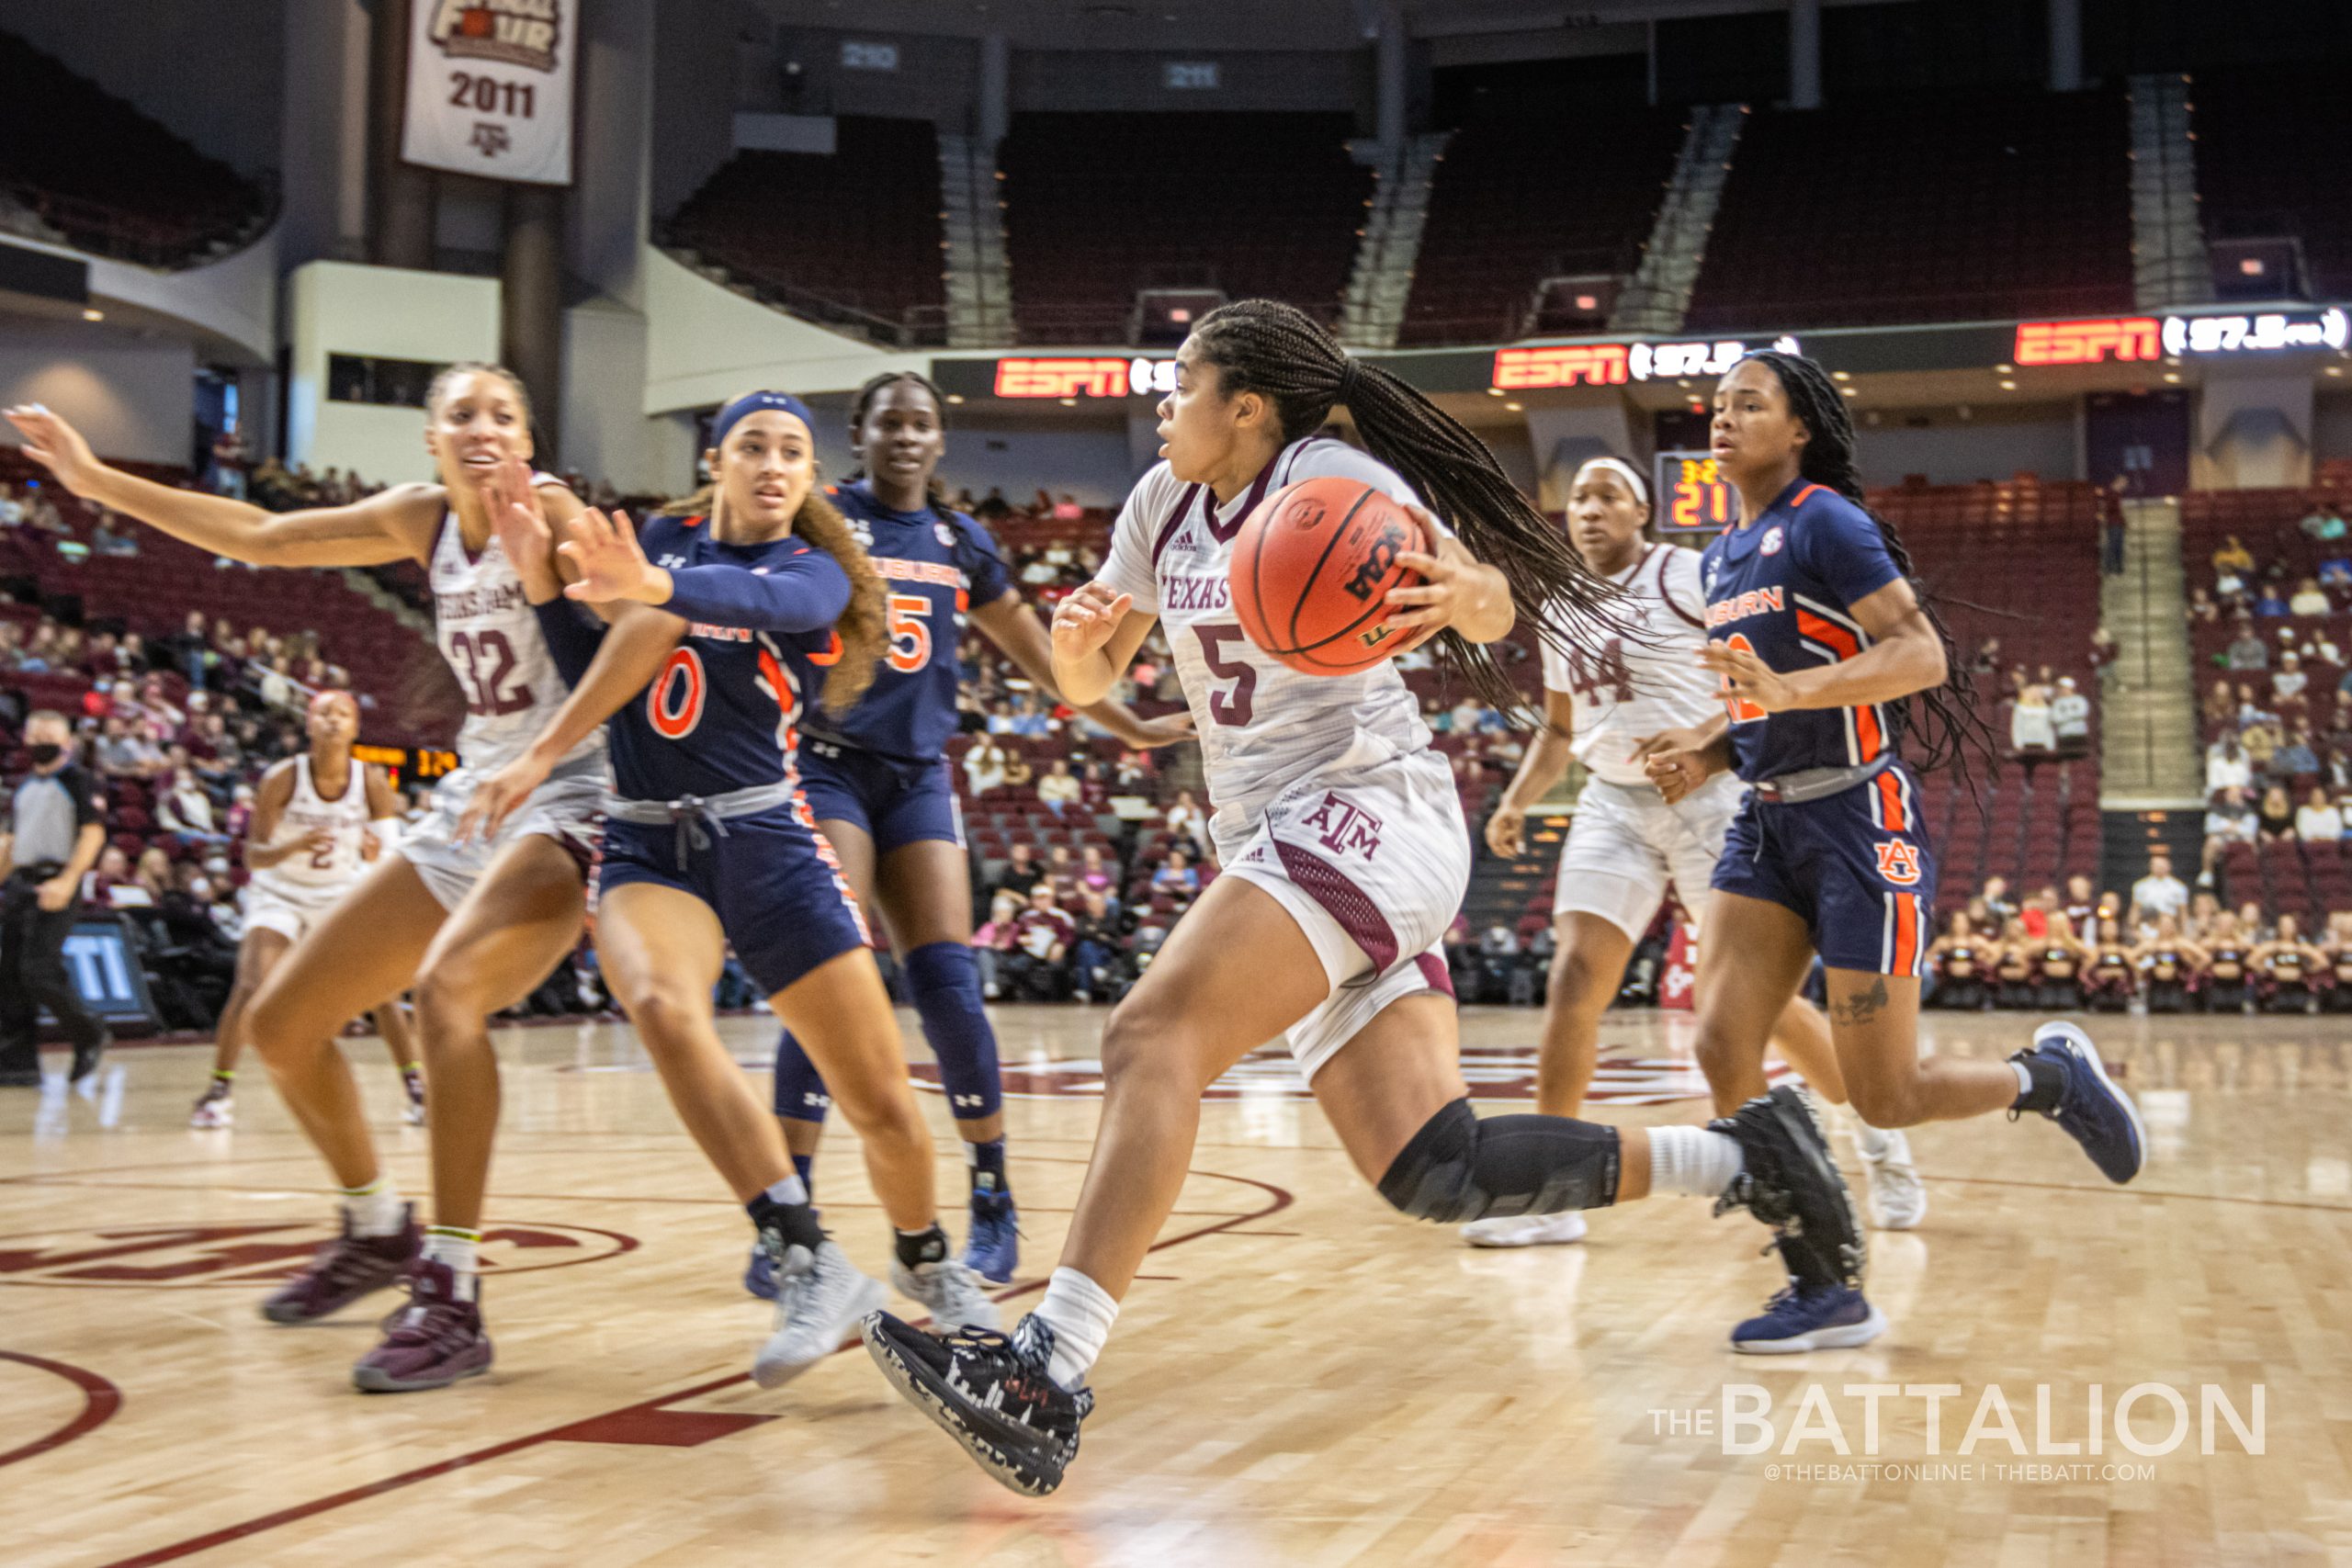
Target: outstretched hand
<point>611,564</point>
<point>55,446</point>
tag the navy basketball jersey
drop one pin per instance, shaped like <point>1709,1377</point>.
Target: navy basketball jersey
<point>938,565</point>
<point>1783,587</point>
<point>724,712</point>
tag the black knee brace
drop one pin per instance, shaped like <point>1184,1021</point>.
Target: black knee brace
<point>1459,1167</point>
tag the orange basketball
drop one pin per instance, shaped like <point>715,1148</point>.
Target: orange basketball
<point>1312,567</point>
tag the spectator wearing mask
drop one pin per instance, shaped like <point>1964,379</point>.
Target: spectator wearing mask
<point>1036,968</point>
<point>56,829</point>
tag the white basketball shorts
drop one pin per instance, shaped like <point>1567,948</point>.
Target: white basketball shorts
<point>1626,845</point>
<point>568,808</point>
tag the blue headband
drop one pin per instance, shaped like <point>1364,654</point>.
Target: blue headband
<point>750,403</point>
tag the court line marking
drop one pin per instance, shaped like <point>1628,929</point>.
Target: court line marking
<point>245,1530</point>
<point>100,1400</point>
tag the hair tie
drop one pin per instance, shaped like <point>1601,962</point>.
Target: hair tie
<point>1351,378</point>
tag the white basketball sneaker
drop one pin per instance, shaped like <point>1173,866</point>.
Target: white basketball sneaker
<point>1526,1230</point>
<point>1898,1199</point>
<point>950,1292</point>
<point>819,1297</point>
<point>216,1109</point>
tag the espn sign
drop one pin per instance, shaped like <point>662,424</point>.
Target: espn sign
<point>1061,378</point>
<point>2089,343</point>
<point>1565,365</point>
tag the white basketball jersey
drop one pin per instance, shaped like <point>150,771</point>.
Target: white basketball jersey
<point>1262,726</point>
<point>1627,688</point>
<point>308,812</point>
<point>490,635</point>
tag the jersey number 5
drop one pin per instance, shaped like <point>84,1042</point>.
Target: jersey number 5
<point>1231,707</point>
<point>1741,711</point>
<point>910,636</point>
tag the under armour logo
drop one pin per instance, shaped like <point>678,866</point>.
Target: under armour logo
<point>669,561</point>
<point>963,1099</point>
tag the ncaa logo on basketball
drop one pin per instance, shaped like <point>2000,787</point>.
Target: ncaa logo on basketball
<point>1379,557</point>
<point>514,33</point>
<point>1898,862</point>
<point>1771,543</point>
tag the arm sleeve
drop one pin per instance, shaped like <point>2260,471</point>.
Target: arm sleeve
<point>86,800</point>
<point>804,593</point>
<point>572,637</point>
<point>1129,568</point>
<point>1841,549</point>
<point>982,563</point>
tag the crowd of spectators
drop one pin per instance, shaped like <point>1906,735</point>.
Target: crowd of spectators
<point>2163,948</point>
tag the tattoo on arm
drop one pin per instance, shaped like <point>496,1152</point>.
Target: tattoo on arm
<point>1862,1007</point>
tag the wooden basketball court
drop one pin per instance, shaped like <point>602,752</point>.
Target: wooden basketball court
<point>1301,1376</point>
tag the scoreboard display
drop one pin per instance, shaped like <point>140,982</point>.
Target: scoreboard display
<point>1692,497</point>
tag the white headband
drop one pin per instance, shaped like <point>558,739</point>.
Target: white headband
<point>1640,490</point>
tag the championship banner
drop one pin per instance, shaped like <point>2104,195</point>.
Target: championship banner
<point>489,87</point>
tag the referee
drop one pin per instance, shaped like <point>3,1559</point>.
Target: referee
<point>53,840</point>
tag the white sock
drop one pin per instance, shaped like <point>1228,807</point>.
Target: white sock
<point>1871,1140</point>
<point>1081,1313</point>
<point>458,1249</point>
<point>791,1189</point>
<point>375,1209</point>
<point>2025,1079</point>
<point>1692,1161</point>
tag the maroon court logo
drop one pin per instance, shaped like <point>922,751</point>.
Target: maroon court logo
<point>184,1255</point>
<point>1492,1072</point>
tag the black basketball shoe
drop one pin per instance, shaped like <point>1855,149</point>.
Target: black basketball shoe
<point>1790,1182</point>
<point>989,1393</point>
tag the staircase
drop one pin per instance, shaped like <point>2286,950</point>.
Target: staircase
<point>980,280</point>
<point>2150,759</point>
<point>1500,888</point>
<point>2168,262</point>
<point>1659,294</point>
<point>391,603</point>
<point>1373,306</point>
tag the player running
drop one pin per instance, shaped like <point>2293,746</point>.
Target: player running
<point>1826,655</point>
<point>474,926</point>
<point>1603,695</point>
<point>878,777</point>
<point>319,821</point>
<point>723,619</point>
<point>1346,857</point>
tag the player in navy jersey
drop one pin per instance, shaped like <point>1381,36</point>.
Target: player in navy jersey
<point>1828,657</point>
<point>878,779</point>
<point>725,619</point>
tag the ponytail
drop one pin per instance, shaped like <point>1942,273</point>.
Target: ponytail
<point>1278,352</point>
<point>1944,719</point>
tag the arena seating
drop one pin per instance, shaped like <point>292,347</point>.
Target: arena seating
<point>2270,143</point>
<point>153,591</point>
<point>109,179</point>
<point>1521,198</point>
<point>1906,209</point>
<point>1101,205</point>
<point>854,239</point>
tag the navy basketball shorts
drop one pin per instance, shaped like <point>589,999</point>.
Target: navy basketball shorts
<point>896,803</point>
<point>1854,866</point>
<point>770,878</point>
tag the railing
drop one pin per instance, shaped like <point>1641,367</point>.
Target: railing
<point>911,326</point>
<point>120,234</point>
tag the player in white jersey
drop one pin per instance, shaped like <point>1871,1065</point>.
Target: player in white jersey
<point>1346,857</point>
<point>473,930</point>
<point>319,820</point>
<point>1605,694</point>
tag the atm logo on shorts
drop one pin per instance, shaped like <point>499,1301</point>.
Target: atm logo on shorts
<point>1898,862</point>
<point>1345,827</point>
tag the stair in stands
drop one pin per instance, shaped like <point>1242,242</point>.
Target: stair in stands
<point>2168,261</point>
<point>1507,891</point>
<point>2151,752</point>
<point>1372,313</point>
<point>1659,295</point>
<point>979,281</point>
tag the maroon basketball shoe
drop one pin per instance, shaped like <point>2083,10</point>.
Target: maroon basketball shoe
<point>437,1340</point>
<point>345,1270</point>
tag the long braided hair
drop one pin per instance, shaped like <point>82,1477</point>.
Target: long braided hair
<point>1943,720</point>
<point>934,489</point>
<point>1278,352</point>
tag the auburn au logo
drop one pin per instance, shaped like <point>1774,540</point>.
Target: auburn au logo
<point>1898,862</point>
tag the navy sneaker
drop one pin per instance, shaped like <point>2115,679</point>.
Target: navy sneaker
<point>2093,1113</point>
<point>1789,1180</point>
<point>1809,1317</point>
<point>992,1248</point>
<point>990,1393</point>
<point>759,1274</point>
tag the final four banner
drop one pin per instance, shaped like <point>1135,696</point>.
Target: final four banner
<point>489,87</point>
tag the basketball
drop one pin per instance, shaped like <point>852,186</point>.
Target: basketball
<point>1312,567</point>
